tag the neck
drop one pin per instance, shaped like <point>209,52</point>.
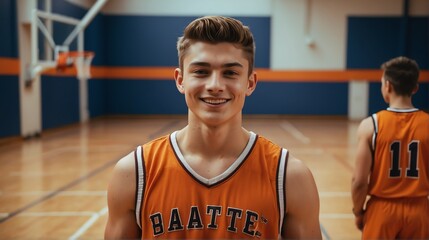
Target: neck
<point>212,141</point>
<point>401,102</point>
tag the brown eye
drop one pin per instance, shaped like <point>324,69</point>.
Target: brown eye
<point>200,72</point>
<point>230,73</point>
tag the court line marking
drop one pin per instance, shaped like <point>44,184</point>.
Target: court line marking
<point>288,127</point>
<point>59,190</point>
<point>337,215</point>
<point>334,194</point>
<point>64,193</point>
<point>88,223</point>
<point>77,148</point>
<point>56,214</point>
<point>324,232</point>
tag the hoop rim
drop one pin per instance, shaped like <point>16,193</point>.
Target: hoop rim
<point>81,60</point>
<point>76,54</point>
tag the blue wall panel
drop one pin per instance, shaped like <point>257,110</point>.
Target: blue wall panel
<point>418,42</point>
<point>162,97</point>
<point>97,99</point>
<point>298,98</point>
<point>8,29</point>
<point>9,106</point>
<point>371,41</point>
<point>151,41</point>
<point>420,99</point>
<point>144,97</point>
<point>60,101</point>
<point>9,85</point>
<point>95,40</point>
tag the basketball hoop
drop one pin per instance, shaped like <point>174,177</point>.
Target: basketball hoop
<point>81,60</point>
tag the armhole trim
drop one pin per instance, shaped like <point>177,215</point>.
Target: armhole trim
<point>281,186</point>
<point>140,173</point>
<point>374,137</point>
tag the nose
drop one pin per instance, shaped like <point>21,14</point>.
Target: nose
<point>215,83</point>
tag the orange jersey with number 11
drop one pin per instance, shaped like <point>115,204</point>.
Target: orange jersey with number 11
<point>401,154</point>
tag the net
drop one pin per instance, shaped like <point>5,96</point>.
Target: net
<point>80,60</point>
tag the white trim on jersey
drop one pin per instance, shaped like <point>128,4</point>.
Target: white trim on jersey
<point>140,183</point>
<point>281,188</point>
<point>374,135</point>
<point>402,110</point>
<point>223,175</point>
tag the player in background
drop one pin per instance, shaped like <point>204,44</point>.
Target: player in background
<point>392,161</point>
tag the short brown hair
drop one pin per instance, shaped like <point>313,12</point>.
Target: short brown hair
<point>217,29</point>
<point>402,73</point>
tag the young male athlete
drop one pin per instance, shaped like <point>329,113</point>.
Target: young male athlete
<point>393,152</point>
<point>213,178</point>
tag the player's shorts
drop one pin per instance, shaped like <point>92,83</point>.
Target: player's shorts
<point>404,218</point>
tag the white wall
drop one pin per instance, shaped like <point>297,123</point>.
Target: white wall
<point>325,22</point>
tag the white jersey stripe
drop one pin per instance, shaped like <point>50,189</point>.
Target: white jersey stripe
<point>140,183</point>
<point>374,135</point>
<point>281,188</point>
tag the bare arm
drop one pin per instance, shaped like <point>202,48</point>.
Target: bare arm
<point>121,222</point>
<point>302,203</point>
<point>362,170</point>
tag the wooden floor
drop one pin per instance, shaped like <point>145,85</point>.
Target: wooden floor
<point>54,187</point>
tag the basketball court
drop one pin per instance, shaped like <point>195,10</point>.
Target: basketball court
<point>55,186</point>
<point>53,182</point>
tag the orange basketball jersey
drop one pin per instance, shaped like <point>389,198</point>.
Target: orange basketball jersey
<point>247,200</point>
<point>401,154</point>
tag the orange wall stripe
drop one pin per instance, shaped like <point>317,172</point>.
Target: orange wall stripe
<point>317,75</point>
<point>134,72</point>
<point>11,66</point>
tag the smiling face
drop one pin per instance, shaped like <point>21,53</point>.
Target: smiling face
<point>215,82</point>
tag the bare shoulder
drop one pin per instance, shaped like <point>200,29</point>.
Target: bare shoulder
<point>121,222</point>
<point>126,164</point>
<point>297,170</point>
<point>300,182</point>
<point>122,182</point>
<point>366,127</point>
<point>302,202</point>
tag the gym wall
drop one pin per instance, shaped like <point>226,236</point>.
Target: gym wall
<point>347,35</point>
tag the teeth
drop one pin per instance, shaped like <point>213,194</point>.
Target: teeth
<point>215,101</point>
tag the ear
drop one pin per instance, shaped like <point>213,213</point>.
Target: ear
<point>389,86</point>
<point>251,83</point>
<point>178,77</point>
<point>416,88</point>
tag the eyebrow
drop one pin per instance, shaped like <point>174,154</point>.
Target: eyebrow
<point>226,65</point>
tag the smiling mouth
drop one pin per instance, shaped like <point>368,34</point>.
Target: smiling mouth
<point>216,101</point>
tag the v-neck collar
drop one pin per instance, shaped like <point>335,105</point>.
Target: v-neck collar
<point>221,177</point>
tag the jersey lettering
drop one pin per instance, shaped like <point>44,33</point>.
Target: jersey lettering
<point>234,213</point>
<point>214,212</point>
<point>175,221</point>
<point>157,224</point>
<point>195,220</point>
<point>251,218</point>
